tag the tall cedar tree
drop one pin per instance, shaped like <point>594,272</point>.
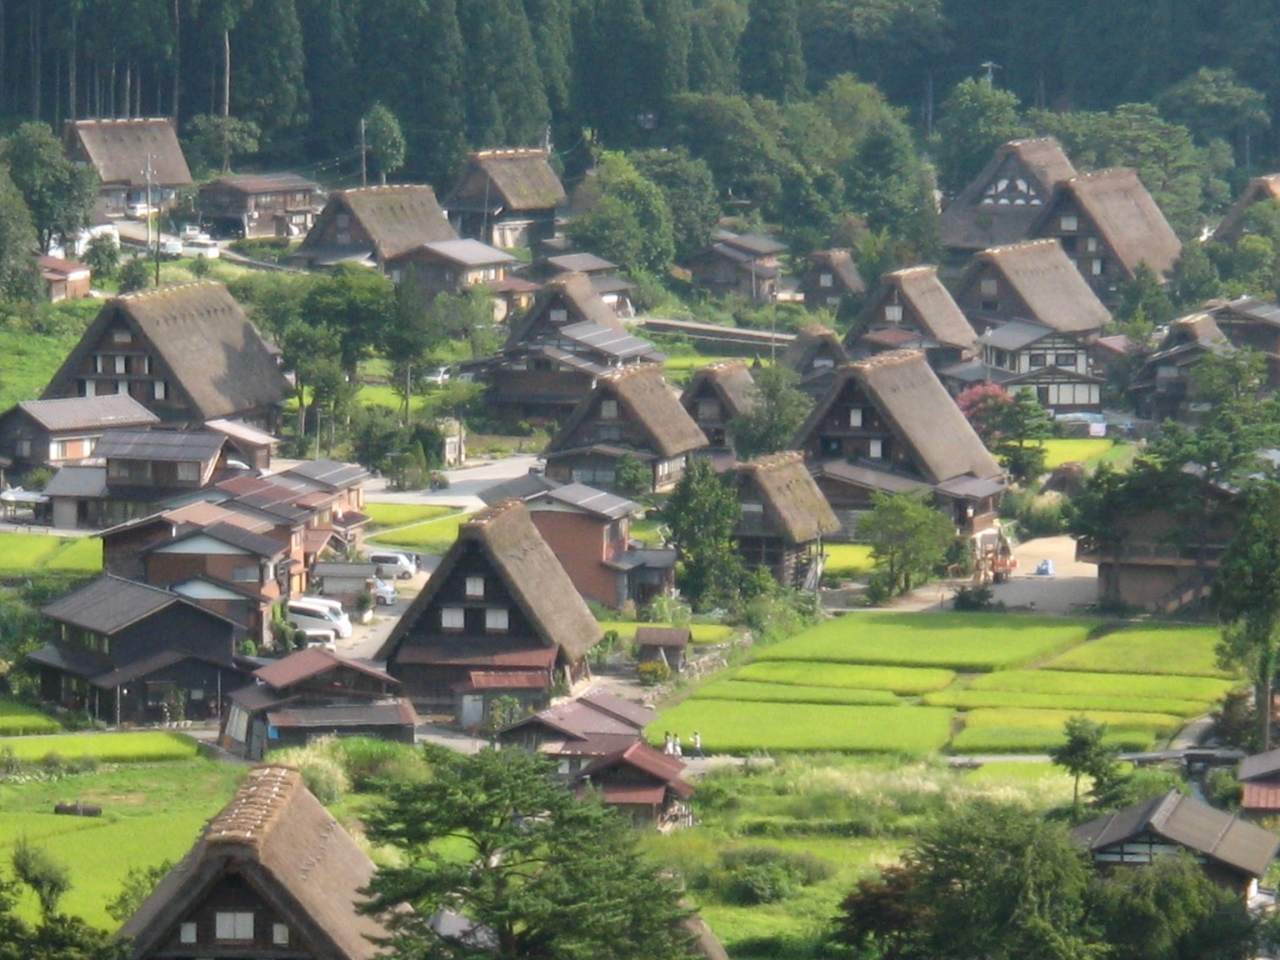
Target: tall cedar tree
<point>715,30</point>
<point>268,87</point>
<point>703,512</point>
<point>549,874</point>
<point>670,60</point>
<point>770,55</point>
<point>552,28</point>
<point>330,35</point>
<point>504,93</point>
<point>619,90</point>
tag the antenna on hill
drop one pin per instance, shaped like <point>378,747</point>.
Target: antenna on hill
<point>991,67</point>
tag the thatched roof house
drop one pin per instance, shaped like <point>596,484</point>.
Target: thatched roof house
<point>506,197</point>
<point>1034,280</point>
<point>913,300</point>
<point>630,411</point>
<point>565,299</point>
<point>813,355</point>
<point>1258,190</point>
<point>717,393</point>
<point>785,516</point>
<point>886,423</point>
<point>373,224</point>
<point>499,616</point>
<point>1001,204</point>
<point>187,353</point>
<point>1109,224</point>
<point>119,151</point>
<point>831,281</point>
<point>273,871</point>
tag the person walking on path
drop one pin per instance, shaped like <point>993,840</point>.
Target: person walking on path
<point>697,745</point>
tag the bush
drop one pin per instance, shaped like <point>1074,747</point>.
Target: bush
<point>1222,789</point>
<point>975,600</point>
<point>653,672</point>
<point>135,274</point>
<point>749,876</point>
<point>325,778</point>
<point>366,761</point>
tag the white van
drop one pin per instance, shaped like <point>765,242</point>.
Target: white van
<point>307,615</point>
<point>384,593</point>
<point>397,565</point>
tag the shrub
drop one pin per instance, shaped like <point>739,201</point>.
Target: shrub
<point>975,600</point>
<point>1222,789</point>
<point>754,875</point>
<point>325,778</point>
<point>366,761</point>
<point>653,672</point>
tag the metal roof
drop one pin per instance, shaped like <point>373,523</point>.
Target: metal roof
<point>173,445</point>
<point>243,432</point>
<point>78,482</point>
<point>581,263</point>
<point>1015,335</point>
<point>390,713</point>
<point>606,340</point>
<point>331,473</point>
<point>88,413</point>
<point>590,499</point>
<point>109,604</point>
<point>471,253</point>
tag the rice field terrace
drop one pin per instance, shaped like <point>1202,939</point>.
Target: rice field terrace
<point>915,684</point>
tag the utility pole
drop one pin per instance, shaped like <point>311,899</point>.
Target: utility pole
<point>364,167</point>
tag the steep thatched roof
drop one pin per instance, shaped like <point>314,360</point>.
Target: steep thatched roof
<point>646,399</point>
<point>1127,218</point>
<point>200,333</point>
<point>513,180</point>
<point>1259,188</point>
<point>921,290</point>
<point>812,342</point>
<point>1001,204</point>
<point>790,496</point>
<point>732,382</point>
<point>291,851</point>
<point>840,263</point>
<point>506,537</point>
<point>396,218</point>
<point>577,296</point>
<point>922,415</point>
<point>118,150</point>
<point>1049,284</point>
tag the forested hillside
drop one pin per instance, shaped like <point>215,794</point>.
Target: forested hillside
<point>475,73</point>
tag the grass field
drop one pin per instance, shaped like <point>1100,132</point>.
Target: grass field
<point>964,641</point>
<point>27,552</point>
<point>738,727</point>
<point>974,699</point>
<point>904,680</point>
<point>147,747</point>
<point>30,361</point>
<point>848,561</point>
<point>1132,686</point>
<point>700,632</point>
<point>433,536</point>
<point>386,515</point>
<point>750,691</point>
<point>1011,730</point>
<point>647,531</point>
<point>17,720</point>
<point>1086,451</point>
<point>150,814</point>
<point>1178,650</point>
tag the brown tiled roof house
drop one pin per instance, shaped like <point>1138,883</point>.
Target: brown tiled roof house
<point>272,873</point>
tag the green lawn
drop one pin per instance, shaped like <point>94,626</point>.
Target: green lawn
<point>848,561</point>
<point>1083,450</point>
<point>31,359</point>
<point>647,531</point>
<point>386,515</point>
<point>381,395</point>
<point>150,814</point>
<point>144,747</point>
<point>958,641</point>
<point>1173,649</point>
<point>750,691</point>
<point>974,699</point>
<point>700,632</point>
<point>17,719</point>
<point>905,680</point>
<point>27,552</point>
<point>1131,686</point>
<point>1011,730</point>
<point>743,728</point>
<point>434,536</point>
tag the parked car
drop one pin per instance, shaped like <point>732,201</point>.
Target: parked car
<point>171,249</point>
<point>324,639</point>
<point>384,593</point>
<point>306,614</point>
<point>206,248</point>
<point>140,210</point>
<point>439,376</point>
<point>193,231</point>
<point>398,565</point>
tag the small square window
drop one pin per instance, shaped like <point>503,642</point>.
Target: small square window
<point>452,618</point>
<point>1037,360</point>
<point>825,280</point>
<point>875,449</point>
<point>159,389</point>
<point>1069,223</point>
<point>893,312</point>
<point>187,933</point>
<point>1066,360</point>
<point>855,417</point>
<point>121,364</point>
<point>279,935</point>
<point>121,336</point>
<point>1095,267</point>
<point>475,586</point>
<point>558,315</point>
<point>609,409</point>
<point>495,618</point>
<point>1091,245</point>
<point>188,472</point>
<point>990,287</point>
